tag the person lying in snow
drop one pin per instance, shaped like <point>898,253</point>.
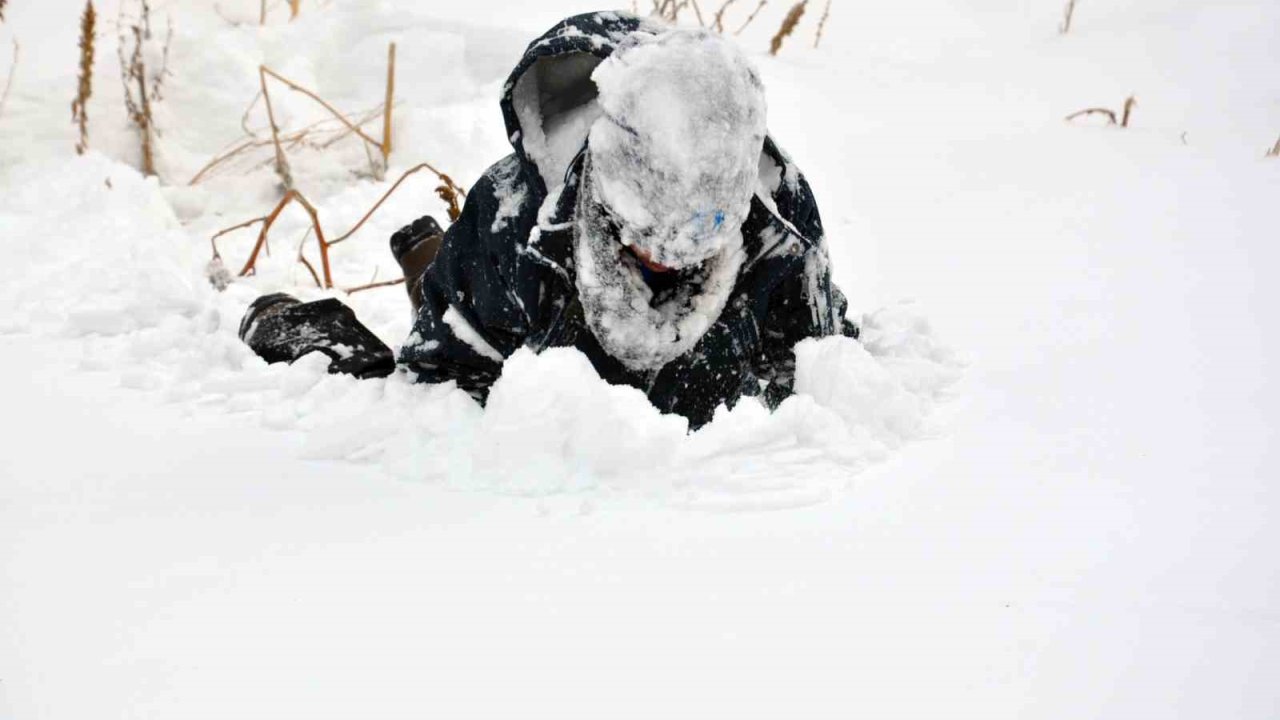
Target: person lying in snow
<point>645,218</point>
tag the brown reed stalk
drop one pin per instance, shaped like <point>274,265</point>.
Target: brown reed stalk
<point>453,189</point>
<point>269,219</point>
<point>718,23</point>
<point>325,277</point>
<point>282,163</point>
<point>751,17</point>
<point>1129,104</point>
<point>84,87</point>
<point>1110,114</point>
<point>788,26</point>
<point>388,104</point>
<point>698,11</point>
<point>141,86</point>
<point>264,72</point>
<point>822,24</point>
<point>1065,27</point>
<point>140,109</point>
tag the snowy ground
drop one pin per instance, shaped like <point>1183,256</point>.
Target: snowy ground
<point>1045,489</point>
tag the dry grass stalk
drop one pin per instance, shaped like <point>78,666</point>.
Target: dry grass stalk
<point>388,104</point>
<point>2,4</point>
<point>141,87</point>
<point>282,162</point>
<point>267,221</point>
<point>307,136</point>
<point>84,88</point>
<point>282,167</point>
<point>751,17</point>
<point>788,26</point>
<point>698,12</point>
<point>8,83</point>
<point>293,8</point>
<point>325,277</point>
<point>1110,114</point>
<point>1065,27</point>
<point>1275,149</point>
<point>718,23</point>
<point>822,24</point>
<point>1129,104</point>
<point>373,285</point>
<point>451,200</point>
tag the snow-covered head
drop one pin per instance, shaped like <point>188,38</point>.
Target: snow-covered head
<point>674,156</point>
<point>671,165</point>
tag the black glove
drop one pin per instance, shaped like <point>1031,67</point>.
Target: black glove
<point>280,328</point>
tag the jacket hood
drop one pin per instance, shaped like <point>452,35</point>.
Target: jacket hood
<point>548,101</point>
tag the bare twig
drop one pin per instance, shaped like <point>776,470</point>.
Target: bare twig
<point>1129,104</point>
<point>2,4</point>
<point>134,74</point>
<point>698,12</point>
<point>1065,27</point>
<point>244,119</point>
<point>311,269</point>
<point>388,103</point>
<point>282,163</point>
<point>372,285</point>
<point>448,183</point>
<point>718,22</point>
<point>294,139</point>
<point>213,241</point>
<point>751,17</point>
<point>788,26</point>
<point>264,71</point>
<point>1110,114</point>
<point>262,12</point>
<point>822,24</point>
<point>270,219</point>
<point>84,87</point>
<point>302,258</point>
<point>344,133</point>
<point>1275,149</point>
<point>325,277</point>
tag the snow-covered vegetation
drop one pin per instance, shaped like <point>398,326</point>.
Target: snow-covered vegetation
<point>1040,485</point>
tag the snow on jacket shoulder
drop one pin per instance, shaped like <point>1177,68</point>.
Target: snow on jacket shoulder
<point>504,277</point>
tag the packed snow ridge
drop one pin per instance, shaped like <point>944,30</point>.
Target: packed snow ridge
<point>551,424</point>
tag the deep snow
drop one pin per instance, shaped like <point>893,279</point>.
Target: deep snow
<point>185,532</point>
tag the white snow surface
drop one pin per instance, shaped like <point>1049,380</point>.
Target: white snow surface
<point>1077,520</point>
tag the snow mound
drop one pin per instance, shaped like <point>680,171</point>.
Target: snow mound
<point>124,293</point>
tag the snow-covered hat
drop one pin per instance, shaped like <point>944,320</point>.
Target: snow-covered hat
<point>675,155</point>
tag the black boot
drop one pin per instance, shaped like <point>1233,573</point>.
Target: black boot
<point>414,247</point>
<point>279,328</point>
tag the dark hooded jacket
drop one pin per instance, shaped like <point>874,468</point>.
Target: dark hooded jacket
<point>504,277</point>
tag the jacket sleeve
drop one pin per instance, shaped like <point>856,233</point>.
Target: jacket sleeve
<point>806,303</point>
<point>470,319</point>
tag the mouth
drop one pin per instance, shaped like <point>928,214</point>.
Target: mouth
<point>647,261</point>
